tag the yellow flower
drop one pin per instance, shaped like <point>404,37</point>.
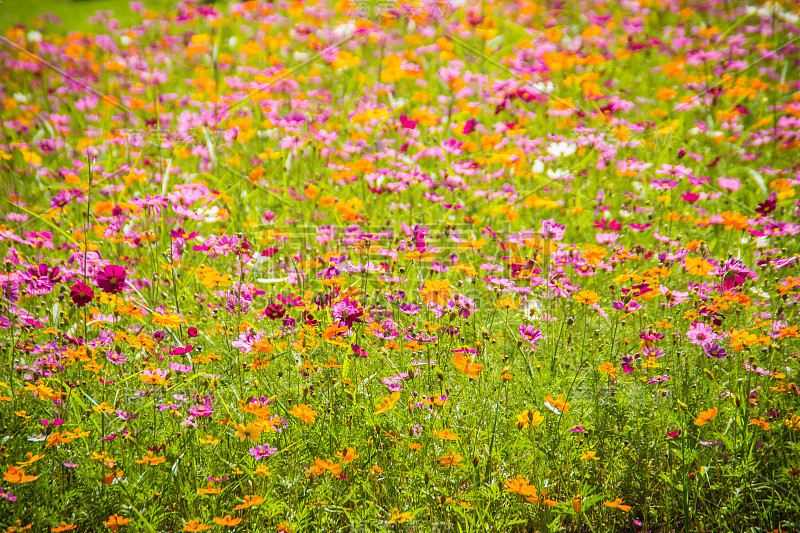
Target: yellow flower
<point>527,418</point>
<point>507,303</point>
<point>589,455</point>
<point>387,402</point>
<point>30,459</point>
<point>209,439</point>
<point>399,517</point>
<point>167,320</point>
<point>250,431</point>
<point>793,422</point>
<point>698,266</point>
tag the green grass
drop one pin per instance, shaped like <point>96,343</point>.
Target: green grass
<point>74,14</point>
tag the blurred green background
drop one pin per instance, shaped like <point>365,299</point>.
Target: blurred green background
<point>73,13</point>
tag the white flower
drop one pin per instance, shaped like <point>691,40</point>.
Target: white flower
<point>125,40</point>
<point>543,87</point>
<point>209,214</point>
<point>561,149</point>
<point>538,167</point>
<point>759,292</point>
<point>21,98</point>
<point>34,36</point>
<point>344,31</point>
<point>232,42</point>
<point>301,56</point>
<point>557,173</point>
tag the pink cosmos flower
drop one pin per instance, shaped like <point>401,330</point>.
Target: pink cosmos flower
<point>730,184</point>
<point>701,333</point>
<point>111,279</point>
<point>81,294</point>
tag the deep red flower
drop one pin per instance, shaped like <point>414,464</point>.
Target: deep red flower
<point>111,279</point>
<point>81,294</point>
<point>274,311</point>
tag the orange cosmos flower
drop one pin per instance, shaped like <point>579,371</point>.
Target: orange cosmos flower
<point>17,475</point>
<point>115,521</point>
<point>520,486</point>
<point>446,435</point>
<point>706,416</point>
<point>195,525</point>
<point>577,502</point>
<point>209,489</point>
<point>763,424</point>
<point>227,521</point>
<point>347,456</point>
<point>436,291</point>
<point>618,504</point>
<point>152,461</point>
<point>559,402</point>
<point>249,501</point>
<point>608,368</point>
<point>453,459</point>
<point>586,297</point>
<point>304,413</point>
<point>62,527</point>
<point>465,365</point>
<point>735,221</point>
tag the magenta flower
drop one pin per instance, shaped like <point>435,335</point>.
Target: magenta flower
<point>262,451</point>
<point>81,294</point>
<point>531,334</point>
<point>714,350</point>
<point>111,279</point>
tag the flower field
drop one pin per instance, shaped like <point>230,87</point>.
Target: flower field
<point>427,266</point>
